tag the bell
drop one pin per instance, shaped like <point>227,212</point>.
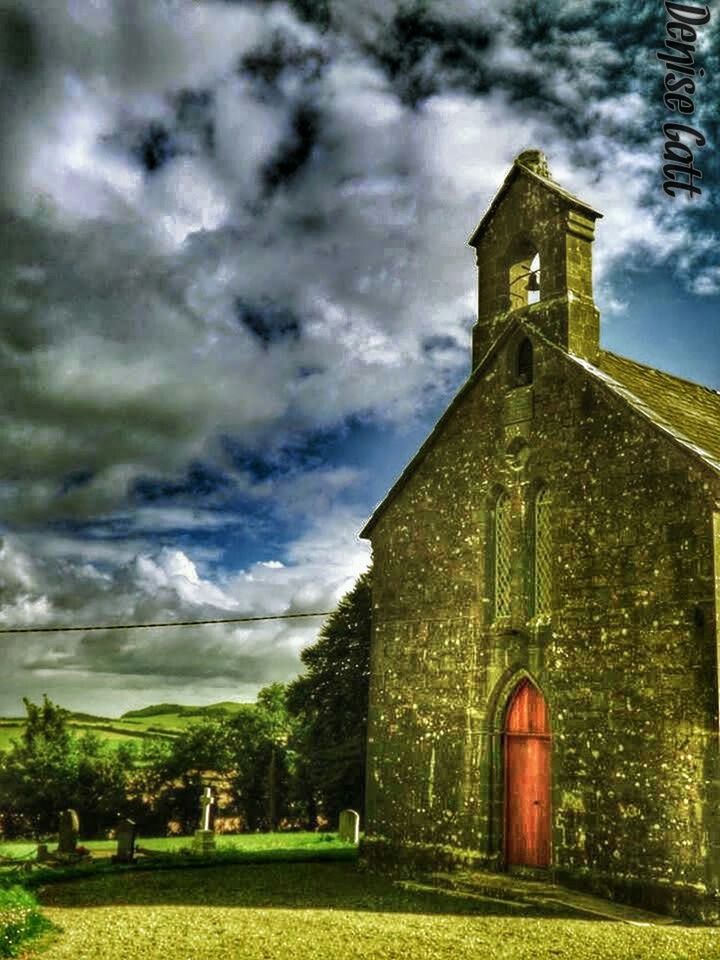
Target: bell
<point>533,285</point>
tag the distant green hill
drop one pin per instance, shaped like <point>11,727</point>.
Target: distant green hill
<point>162,721</point>
<point>153,711</point>
<point>162,709</point>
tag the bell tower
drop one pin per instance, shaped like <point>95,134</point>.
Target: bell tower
<point>534,257</point>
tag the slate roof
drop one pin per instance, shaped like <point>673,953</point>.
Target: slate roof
<point>686,412</point>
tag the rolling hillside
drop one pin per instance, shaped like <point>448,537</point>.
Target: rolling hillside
<point>164,720</point>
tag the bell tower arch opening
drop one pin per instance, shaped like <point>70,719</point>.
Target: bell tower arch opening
<point>533,289</point>
<point>523,274</point>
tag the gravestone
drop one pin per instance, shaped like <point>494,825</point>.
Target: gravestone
<point>349,826</point>
<point>204,840</point>
<point>68,830</point>
<point>125,834</point>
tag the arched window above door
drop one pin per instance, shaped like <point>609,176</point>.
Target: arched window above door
<point>524,363</point>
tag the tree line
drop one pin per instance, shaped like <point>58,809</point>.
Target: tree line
<point>294,758</point>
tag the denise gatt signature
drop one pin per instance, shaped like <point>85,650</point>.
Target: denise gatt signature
<point>680,85</point>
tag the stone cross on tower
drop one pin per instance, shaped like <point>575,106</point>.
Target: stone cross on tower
<point>206,802</point>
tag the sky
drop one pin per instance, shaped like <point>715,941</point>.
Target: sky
<point>236,294</point>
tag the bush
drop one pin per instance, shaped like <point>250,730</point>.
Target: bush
<point>20,919</point>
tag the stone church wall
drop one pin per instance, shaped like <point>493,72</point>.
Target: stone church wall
<point>626,660</point>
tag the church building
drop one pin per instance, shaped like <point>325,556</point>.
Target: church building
<point>544,661</point>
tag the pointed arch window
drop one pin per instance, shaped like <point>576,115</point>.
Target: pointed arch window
<point>503,556</point>
<point>543,553</point>
<point>524,363</point>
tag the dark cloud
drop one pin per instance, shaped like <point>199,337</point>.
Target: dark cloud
<point>296,149</point>
<point>441,342</point>
<point>189,131</point>
<point>423,54</point>
<point>269,322</point>
<point>155,147</point>
<point>282,57</point>
<point>76,478</point>
<point>195,122</point>
<point>316,12</point>
<point>19,47</point>
<point>201,481</point>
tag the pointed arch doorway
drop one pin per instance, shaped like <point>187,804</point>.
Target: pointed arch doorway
<point>527,746</point>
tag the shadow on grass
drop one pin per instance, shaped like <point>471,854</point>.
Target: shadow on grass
<point>286,886</point>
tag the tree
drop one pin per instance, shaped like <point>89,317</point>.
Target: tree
<point>38,772</point>
<point>48,770</point>
<point>330,702</point>
<point>262,761</point>
<point>46,724</point>
<point>177,774</point>
<point>100,791</point>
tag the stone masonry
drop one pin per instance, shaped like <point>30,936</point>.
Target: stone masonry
<point>625,651</point>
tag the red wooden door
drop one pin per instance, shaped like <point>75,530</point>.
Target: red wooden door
<point>527,779</point>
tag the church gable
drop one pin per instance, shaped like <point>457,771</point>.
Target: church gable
<point>688,414</point>
<point>530,418</point>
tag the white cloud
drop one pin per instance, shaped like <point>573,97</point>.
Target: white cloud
<point>184,664</point>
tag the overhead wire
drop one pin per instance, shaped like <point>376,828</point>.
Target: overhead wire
<point>166,623</point>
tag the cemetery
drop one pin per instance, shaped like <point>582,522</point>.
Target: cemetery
<point>125,848</point>
<point>83,886</point>
<point>250,900</point>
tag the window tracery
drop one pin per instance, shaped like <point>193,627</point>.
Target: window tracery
<point>543,554</point>
<point>503,556</point>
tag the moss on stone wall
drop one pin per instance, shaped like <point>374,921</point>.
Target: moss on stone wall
<point>625,661</point>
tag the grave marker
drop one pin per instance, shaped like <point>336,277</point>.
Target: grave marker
<point>68,830</point>
<point>349,826</point>
<point>204,840</point>
<point>125,834</point>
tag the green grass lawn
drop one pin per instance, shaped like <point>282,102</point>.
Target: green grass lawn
<point>333,911</point>
<point>271,844</point>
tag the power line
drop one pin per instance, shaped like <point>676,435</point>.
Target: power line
<point>167,623</point>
